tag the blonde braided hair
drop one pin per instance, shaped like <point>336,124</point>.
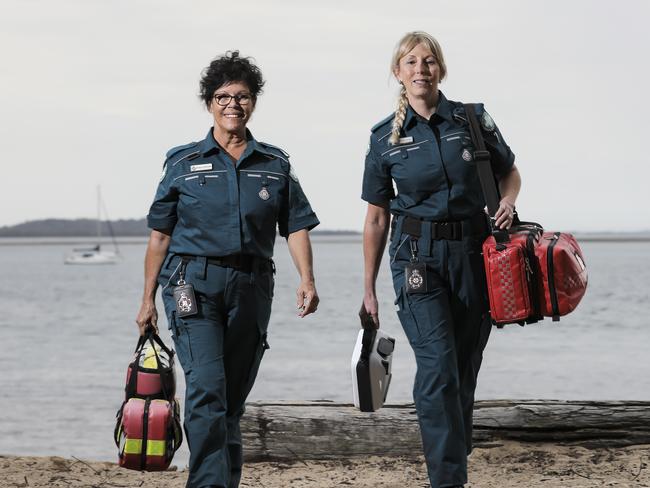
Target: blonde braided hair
<point>404,46</point>
<point>400,115</point>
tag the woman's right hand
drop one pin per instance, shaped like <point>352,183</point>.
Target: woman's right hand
<point>147,317</point>
<point>372,307</point>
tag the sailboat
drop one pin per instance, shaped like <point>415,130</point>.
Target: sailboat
<point>95,254</point>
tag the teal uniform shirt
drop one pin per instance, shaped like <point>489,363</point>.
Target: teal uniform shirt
<point>214,207</point>
<point>432,166</point>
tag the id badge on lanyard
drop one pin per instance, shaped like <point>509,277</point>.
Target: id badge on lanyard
<point>184,297</point>
<point>415,273</point>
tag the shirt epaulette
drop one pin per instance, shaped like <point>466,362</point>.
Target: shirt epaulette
<point>177,149</point>
<point>458,112</point>
<point>271,146</point>
<point>459,108</point>
<point>382,122</point>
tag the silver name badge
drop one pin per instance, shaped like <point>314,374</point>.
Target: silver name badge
<point>200,167</point>
<point>405,140</point>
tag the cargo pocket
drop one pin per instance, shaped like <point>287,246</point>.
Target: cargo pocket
<point>406,317</point>
<point>262,315</point>
<point>181,337</point>
<point>262,346</point>
<point>238,391</point>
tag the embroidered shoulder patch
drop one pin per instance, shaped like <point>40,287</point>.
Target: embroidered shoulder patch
<point>487,122</point>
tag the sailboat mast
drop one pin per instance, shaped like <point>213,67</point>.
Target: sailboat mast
<point>99,222</point>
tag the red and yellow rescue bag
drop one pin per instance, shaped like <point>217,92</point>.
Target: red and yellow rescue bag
<point>148,433</point>
<point>148,428</point>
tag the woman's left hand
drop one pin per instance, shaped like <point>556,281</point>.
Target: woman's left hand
<point>306,298</point>
<point>505,214</point>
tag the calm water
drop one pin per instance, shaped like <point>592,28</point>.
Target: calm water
<point>67,333</point>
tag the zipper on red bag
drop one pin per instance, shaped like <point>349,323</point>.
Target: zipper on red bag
<point>551,278</point>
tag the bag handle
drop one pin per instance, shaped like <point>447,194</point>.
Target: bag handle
<point>151,336</point>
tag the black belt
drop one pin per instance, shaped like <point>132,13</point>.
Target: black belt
<point>240,262</point>
<point>450,230</point>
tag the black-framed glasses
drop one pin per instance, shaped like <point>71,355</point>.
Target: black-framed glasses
<point>224,99</point>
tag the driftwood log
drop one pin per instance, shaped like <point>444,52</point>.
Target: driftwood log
<point>327,430</point>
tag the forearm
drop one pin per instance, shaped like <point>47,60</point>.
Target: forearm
<point>301,253</point>
<point>154,257</point>
<point>375,233</point>
<point>509,186</point>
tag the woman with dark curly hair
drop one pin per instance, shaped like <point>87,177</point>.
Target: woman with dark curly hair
<point>213,222</point>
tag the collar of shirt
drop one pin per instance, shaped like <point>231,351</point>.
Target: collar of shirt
<point>209,145</point>
<point>443,111</point>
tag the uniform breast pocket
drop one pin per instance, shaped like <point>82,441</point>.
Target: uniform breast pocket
<point>196,181</point>
<point>459,144</point>
<point>206,197</point>
<point>417,171</point>
<point>263,193</point>
<point>405,151</point>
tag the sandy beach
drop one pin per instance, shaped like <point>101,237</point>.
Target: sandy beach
<point>513,464</point>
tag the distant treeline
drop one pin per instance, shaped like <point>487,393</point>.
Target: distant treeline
<point>75,228</point>
<point>88,228</point>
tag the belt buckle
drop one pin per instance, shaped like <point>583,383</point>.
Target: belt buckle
<point>447,230</point>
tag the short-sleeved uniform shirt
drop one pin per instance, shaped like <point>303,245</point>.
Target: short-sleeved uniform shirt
<point>215,207</point>
<point>432,166</point>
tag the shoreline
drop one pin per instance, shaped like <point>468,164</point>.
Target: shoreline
<point>342,237</point>
<point>508,465</point>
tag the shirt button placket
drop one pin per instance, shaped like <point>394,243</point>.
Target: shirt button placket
<point>233,192</point>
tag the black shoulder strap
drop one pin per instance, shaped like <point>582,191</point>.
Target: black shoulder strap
<point>482,158</point>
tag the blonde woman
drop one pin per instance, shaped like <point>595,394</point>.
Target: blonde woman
<point>424,151</point>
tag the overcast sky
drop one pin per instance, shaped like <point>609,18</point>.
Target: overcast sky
<point>95,92</point>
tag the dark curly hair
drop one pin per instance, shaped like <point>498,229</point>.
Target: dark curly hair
<point>230,68</point>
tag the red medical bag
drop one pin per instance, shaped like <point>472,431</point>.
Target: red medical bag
<point>533,274</point>
<point>562,273</point>
<point>148,433</point>
<point>509,278</point>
